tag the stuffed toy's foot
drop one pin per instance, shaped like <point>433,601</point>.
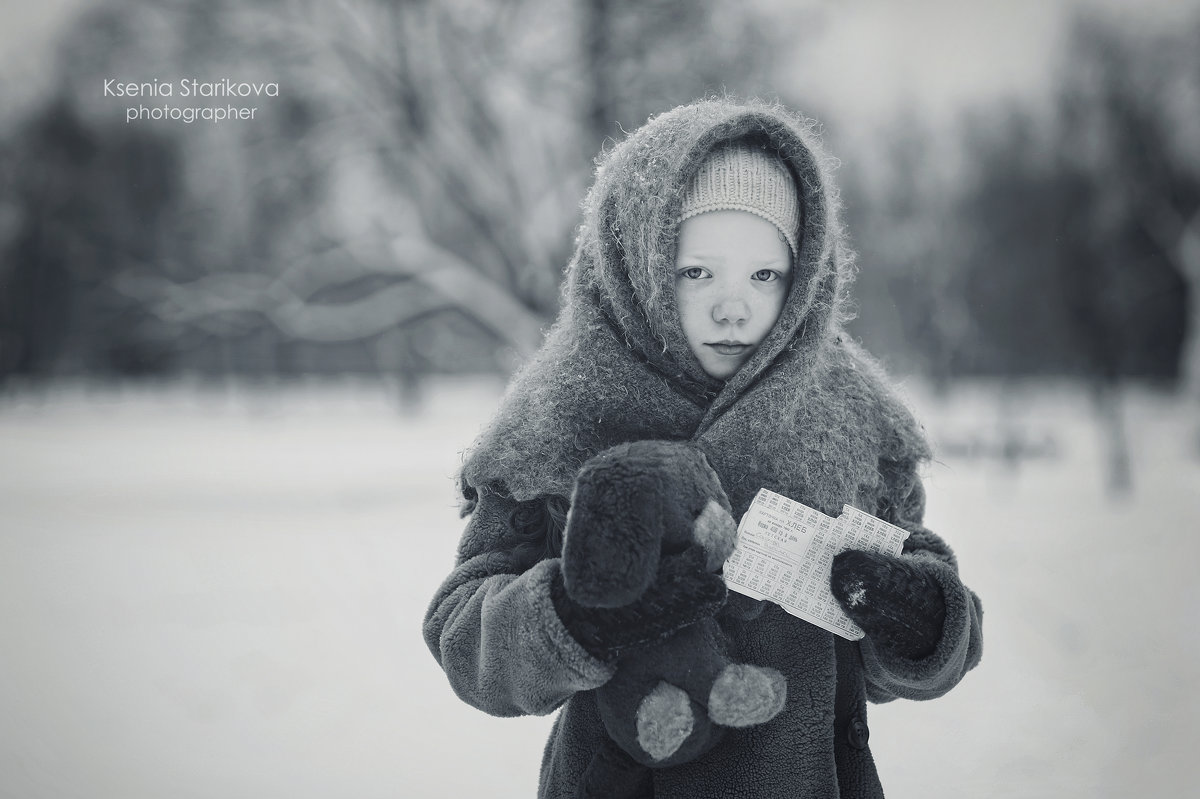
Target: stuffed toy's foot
<point>744,695</point>
<point>664,721</point>
<point>741,696</point>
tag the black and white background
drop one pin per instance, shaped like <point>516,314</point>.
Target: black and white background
<point>239,360</point>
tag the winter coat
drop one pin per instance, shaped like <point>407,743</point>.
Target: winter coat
<point>810,416</point>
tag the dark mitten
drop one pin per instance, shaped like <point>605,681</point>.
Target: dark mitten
<point>683,592</point>
<point>898,606</point>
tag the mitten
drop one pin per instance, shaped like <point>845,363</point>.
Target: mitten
<point>898,606</point>
<point>683,593</point>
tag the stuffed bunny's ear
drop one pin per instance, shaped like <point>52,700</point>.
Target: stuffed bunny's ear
<point>613,536</point>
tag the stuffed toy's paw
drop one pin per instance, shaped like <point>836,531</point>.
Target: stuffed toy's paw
<point>665,720</point>
<point>745,695</point>
<point>683,593</point>
<point>898,606</point>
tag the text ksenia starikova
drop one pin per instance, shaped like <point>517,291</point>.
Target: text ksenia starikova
<point>189,88</point>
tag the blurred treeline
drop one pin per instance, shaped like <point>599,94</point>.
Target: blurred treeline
<point>1066,238</point>
<point>406,205</point>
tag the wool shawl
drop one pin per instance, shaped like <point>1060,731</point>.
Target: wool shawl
<point>808,415</point>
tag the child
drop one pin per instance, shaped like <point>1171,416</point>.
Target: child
<point>704,307</point>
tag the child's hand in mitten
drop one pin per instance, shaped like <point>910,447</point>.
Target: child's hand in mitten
<point>899,606</point>
<point>683,592</point>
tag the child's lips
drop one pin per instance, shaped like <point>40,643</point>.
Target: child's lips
<point>729,347</point>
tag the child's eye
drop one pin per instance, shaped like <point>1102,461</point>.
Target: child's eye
<point>766,275</point>
<point>692,273</point>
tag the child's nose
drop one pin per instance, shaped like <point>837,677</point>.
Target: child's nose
<point>732,310</point>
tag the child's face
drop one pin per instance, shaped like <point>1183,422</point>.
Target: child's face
<point>732,274</point>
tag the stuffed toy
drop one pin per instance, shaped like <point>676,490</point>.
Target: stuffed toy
<point>649,525</point>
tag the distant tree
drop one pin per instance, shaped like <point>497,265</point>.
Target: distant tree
<point>904,218</point>
<point>82,204</point>
<point>115,218</point>
<point>484,120</point>
<point>1131,210</point>
<point>643,57</point>
<point>1132,188</point>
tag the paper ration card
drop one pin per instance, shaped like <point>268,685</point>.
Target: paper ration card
<point>785,552</point>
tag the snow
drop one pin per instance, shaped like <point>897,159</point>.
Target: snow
<point>206,593</point>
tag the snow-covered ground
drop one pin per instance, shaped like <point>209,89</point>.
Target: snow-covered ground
<point>215,595</point>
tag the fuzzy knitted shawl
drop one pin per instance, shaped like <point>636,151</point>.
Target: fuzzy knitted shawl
<point>809,415</point>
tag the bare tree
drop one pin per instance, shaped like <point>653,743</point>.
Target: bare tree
<point>1132,207</point>
<point>423,163</point>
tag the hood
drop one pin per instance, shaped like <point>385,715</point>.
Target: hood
<point>616,366</point>
<point>625,251</point>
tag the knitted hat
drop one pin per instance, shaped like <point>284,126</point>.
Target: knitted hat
<point>742,177</point>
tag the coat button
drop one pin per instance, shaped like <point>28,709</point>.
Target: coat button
<point>857,733</point>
